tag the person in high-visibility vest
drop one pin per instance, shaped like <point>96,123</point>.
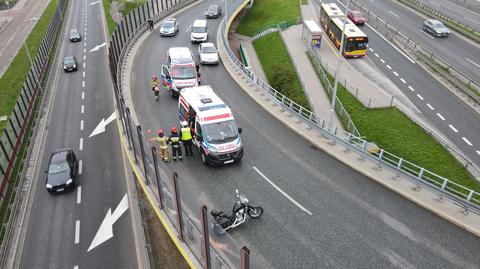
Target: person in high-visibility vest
<point>186,136</point>
<point>174,140</point>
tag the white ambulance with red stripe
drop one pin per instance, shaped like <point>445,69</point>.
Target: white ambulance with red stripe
<point>216,134</point>
<point>180,71</point>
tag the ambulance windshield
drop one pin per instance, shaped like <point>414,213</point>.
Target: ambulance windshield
<point>220,132</point>
<point>183,72</point>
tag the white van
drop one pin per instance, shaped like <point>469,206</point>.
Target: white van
<point>180,71</point>
<point>199,31</point>
<point>216,134</point>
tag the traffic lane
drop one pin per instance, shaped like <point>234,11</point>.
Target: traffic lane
<point>455,11</point>
<point>218,189</point>
<point>465,57</point>
<point>431,97</point>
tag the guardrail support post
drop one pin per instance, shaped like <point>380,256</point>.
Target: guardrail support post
<point>142,151</point>
<point>206,238</point>
<point>399,165</point>
<point>157,176</point>
<point>244,258</point>
<point>444,184</point>
<point>420,174</point>
<point>179,205</point>
<point>380,156</point>
<point>469,197</point>
<point>131,134</point>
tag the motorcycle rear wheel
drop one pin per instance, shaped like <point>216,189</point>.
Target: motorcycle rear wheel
<point>255,211</point>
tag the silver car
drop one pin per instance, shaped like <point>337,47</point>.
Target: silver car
<point>436,28</point>
<point>169,27</point>
<point>208,53</point>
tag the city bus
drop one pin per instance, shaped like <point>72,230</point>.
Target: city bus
<point>355,42</point>
<point>329,11</point>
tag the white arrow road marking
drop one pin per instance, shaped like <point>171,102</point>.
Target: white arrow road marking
<point>97,47</point>
<point>93,3</point>
<point>282,192</point>
<point>105,231</point>
<point>101,126</point>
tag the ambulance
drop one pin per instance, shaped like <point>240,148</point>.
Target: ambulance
<point>180,71</point>
<point>216,134</point>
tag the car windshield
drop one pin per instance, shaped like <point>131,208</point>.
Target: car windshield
<point>437,24</point>
<point>199,29</point>
<point>167,24</point>
<point>212,9</point>
<point>183,72</point>
<point>220,132</point>
<point>58,167</point>
<point>68,60</point>
<point>209,49</point>
<point>74,32</point>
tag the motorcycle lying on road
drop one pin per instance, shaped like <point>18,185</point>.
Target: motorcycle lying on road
<point>241,210</point>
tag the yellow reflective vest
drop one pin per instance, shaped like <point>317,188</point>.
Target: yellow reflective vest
<point>162,142</point>
<point>186,135</point>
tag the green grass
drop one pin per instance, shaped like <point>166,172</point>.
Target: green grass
<point>268,12</point>
<point>272,52</point>
<point>111,24</point>
<point>393,131</point>
<point>12,80</point>
<point>131,5</point>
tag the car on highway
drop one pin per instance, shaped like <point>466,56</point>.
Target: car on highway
<point>62,170</point>
<point>213,12</point>
<point>208,54</point>
<point>356,17</point>
<point>199,31</point>
<point>435,28</point>
<point>169,27</point>
<point>74,35</point>
<point>70,64</point>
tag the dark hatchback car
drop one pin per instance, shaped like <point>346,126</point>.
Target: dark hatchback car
<point>62,170</point>
<point>74,35</point>
<point>213,11</point>
<point>70,64</point>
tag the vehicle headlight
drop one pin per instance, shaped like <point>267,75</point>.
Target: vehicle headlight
<point>70,181</point>
<point>212,149</point>
<point>49,186</point>
<point>74,66</point>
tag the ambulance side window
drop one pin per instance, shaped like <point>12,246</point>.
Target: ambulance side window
<point>183,113</point>
<point>198,129</point>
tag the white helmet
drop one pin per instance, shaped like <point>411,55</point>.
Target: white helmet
<point>184,123</point>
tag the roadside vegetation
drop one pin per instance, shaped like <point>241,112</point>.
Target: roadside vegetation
<point>12,80</point>
<point>268,12</point>
<point>131,5</point>
<point>111,24</point>
<point>393,131</point>
<point>279,69</point>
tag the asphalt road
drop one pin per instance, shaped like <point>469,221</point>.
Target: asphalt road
<point>463,55</point>
<point>354,222</point>
<point>457,10</point>
<point>62,226</point>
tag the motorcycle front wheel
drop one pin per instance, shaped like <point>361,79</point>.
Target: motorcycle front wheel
<point>255,211</point>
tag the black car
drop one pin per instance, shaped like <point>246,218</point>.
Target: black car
<point>62,170</point>
<point>213,11</point>
<point>74,35</point>
<point>70,64</point>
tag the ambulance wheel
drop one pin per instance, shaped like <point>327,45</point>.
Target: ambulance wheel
<point>204,159</point>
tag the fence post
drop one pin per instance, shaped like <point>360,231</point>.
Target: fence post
<point>444,184</point>
<point>469,197</point>
<point>244,258</point>
<point>391,101</point>
<point>131,135</point>
<point>420,174</point>
<point>206,237</point>
<point>157,176</point>
<point>399,165</point>
<point>142,151</point>
<point>179,204</point>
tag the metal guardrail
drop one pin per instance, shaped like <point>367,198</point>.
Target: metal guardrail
<point>445,188</point>
<point>451,73</point>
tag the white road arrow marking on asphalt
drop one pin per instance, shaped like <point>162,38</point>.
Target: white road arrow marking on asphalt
<point>105,231</point>
<point>101,126</point>
<point>97,47</point>
<point>93,3</point>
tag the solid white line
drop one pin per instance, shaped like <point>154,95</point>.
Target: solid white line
<point>411,88</point>
<point>83,95</point>
<point>382,60</point>
<point>420,97</point>
<point>81,125</point>
<point>466,141</point>
<point>391,12</point>
<point>376,54</point>
<point>77,232</point>
<point>395,73</point>
<point>453,128</point>
<point>427,34</point>
<point>81,144</point>
<point>79,195</point>
<point>431,107</point>
<point>435,4</point>
<point>84,64</point>
<point>474,63</point>
<point>82,109</point>
<point>440,116</point>
<point>391,44</point>
<point>282,192</point>
<point>389,67</point>
<point>83,83</point>
<point>80,166</point>
<point>468,19</point>
<point>402,80</point>
<point>83,74</point>
<point>478,152</point>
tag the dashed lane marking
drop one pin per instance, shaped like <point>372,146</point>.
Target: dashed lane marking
<point>81,125</point>
<point>83,83</point>
<point>411,88</point>
<point>402,80</point>
<point>80,146</point>
<point>84,64</point>
<point>83,95</point>
<point>420,97</point>
<point>84,57</point>
<point>82,109</point>
<point>440,116</point>
<point>371,49</point>
<point>474,63</point>
<point>77,232</point>
<point>478,152</point>
<point>376,55</point>
<point>389,67</point>
<point>427,34</point>
<point>84,50</point>
<point>395,73</point>
<point>430,106</point>
<point>382,60</point>
<point>466,141</point>
<point>391,12</point>
<point>83,74</point>
<point>79,195</point>
<point>453,128</point>
<point>80,167</point>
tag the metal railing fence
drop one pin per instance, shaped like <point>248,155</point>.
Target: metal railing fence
<point>444,187</point>
<point>172,195</point>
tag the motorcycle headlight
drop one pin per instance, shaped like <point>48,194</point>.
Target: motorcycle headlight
<point>49,186</point>
<point>70,181</point>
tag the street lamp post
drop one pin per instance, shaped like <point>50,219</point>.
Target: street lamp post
<point>28,52</point>
<point>337,69</point>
